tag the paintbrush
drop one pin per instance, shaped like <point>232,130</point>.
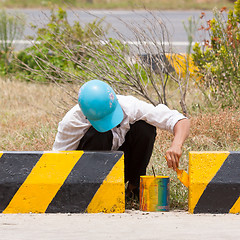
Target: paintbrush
<point>153,172</point>
<point>183,177</point>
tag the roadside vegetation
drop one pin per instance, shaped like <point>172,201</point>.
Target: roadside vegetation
<point>123,4</point>
<point>39,84</point>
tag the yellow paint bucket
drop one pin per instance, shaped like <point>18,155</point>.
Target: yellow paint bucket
<point>154,193</point>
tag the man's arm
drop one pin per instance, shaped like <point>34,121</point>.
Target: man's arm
<point>70,130</point>
<point>181,132</point>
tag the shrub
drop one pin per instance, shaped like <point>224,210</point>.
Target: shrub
<point>69,55</point>
<point>218,59</point>
<point>54,44</point>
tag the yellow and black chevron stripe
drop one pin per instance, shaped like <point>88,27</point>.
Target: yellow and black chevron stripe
<point>214,182</point>
<point>62,182</point>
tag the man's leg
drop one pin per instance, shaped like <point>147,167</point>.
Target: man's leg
<point>96,141</point>
<point>137,148</point>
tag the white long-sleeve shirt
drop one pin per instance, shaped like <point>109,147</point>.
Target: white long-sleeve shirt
<point>74,124</point>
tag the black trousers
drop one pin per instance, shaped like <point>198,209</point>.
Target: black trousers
<point>137,148</point>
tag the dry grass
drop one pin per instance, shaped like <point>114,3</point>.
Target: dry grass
<point>29,115</point>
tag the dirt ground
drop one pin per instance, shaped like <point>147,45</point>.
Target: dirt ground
<point>131,225</point>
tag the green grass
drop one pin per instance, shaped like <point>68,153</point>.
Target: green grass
<point>121,4</point>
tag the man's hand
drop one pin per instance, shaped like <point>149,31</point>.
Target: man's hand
<point>173,155</point>
<point>181,131</point>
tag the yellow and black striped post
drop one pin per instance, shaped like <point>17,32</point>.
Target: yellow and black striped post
<point>62,182</point>
<point>214,182</point>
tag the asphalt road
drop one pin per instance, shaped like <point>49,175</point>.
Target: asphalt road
<point>122,23</point>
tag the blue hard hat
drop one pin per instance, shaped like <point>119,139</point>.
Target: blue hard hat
<point>100,105</point>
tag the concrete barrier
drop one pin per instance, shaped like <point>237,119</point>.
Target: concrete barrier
<point>62,182</point>
<point>214,182</point>
<point>181,64</point>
